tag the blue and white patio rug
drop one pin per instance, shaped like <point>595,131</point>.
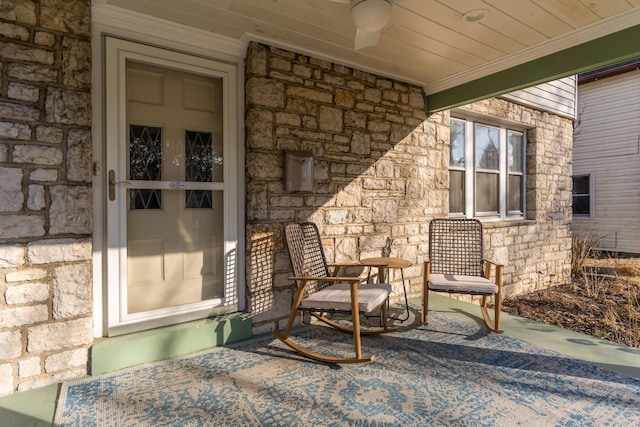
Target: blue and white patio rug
<point>448,373</point>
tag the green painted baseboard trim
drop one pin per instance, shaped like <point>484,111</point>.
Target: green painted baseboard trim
<point>112,354</point>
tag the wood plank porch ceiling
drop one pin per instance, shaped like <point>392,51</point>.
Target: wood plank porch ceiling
<point>427,42</point>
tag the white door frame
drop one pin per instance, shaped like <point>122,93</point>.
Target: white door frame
<point>182,46</point>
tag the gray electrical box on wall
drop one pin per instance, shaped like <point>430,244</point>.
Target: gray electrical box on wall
<point>298,170</point>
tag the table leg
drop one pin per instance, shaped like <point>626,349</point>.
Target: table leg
<point>381,276</point>
<point>406,300</point>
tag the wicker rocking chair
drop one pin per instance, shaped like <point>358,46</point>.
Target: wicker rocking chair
<point>456,265</point>
<point>320,293</point>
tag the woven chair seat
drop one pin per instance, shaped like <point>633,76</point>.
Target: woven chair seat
<point>338,297</point>
<point>461,284</point>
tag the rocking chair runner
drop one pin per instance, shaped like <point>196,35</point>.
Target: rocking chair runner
<point>456,265</point>
<point>320,293</point>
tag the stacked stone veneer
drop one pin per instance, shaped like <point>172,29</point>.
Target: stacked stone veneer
<point>380,170</point>
<point>45,195</point>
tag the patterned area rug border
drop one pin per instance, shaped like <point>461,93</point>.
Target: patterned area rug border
<point>446,373</point>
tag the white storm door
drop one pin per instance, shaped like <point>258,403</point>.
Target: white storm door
<point>172,199</point>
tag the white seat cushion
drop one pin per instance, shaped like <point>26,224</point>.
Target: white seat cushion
<point>338,297</point>
<point>460,284</point>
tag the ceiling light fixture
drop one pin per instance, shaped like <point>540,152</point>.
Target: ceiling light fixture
<point>475,15</point>
<point>371,15</point>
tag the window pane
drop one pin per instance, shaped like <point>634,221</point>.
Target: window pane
<point>487,197</point>
<point>581,195</point>
<point>581,205</point>
<point>581,184</point>
<point>198,156</point>
<point>198,167</point>
<point>514,199</point>
<point>198,199</point>
<point>456,153</point>
<point>487,147</point>
<point>145,199</point>
<point>145,153</point>
<point>456,191</point>
<point>145,164</point>
<point>514,155</point>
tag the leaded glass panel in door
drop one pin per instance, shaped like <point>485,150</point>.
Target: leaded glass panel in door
<point>145,164</point>
<point>199,167</point>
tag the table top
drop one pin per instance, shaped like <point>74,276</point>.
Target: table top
<point>389,262</point>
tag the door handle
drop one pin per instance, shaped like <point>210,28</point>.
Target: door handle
<point>112,184</point>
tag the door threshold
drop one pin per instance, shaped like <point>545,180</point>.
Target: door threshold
<point>115,353</point>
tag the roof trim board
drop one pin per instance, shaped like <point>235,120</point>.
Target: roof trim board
<point>606,50</point>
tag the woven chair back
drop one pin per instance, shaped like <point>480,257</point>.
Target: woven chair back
<point>306,254</point>
<point>455,246</point>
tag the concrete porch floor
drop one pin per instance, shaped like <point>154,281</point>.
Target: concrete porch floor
<point>36,407</point>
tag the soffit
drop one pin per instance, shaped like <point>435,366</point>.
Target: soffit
<point>427,42</point>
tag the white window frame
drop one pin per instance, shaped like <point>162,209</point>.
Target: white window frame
<point>591,176</point>
<point>470,170</point>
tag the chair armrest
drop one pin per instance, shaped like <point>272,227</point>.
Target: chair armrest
<point>495,264</point>
<point>490,265</point>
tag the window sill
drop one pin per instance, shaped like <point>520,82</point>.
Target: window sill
<point>507,223</point>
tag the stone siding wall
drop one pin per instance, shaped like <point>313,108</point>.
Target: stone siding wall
<point>380,170</point>
<point>45,198</point>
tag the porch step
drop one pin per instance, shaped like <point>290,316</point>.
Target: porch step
<point>112,354</point>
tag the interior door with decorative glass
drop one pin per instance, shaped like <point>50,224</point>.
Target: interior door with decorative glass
<point>171,200</point>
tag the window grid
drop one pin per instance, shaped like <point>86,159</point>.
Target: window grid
<point>581,205</point>
<point>489,161</point>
